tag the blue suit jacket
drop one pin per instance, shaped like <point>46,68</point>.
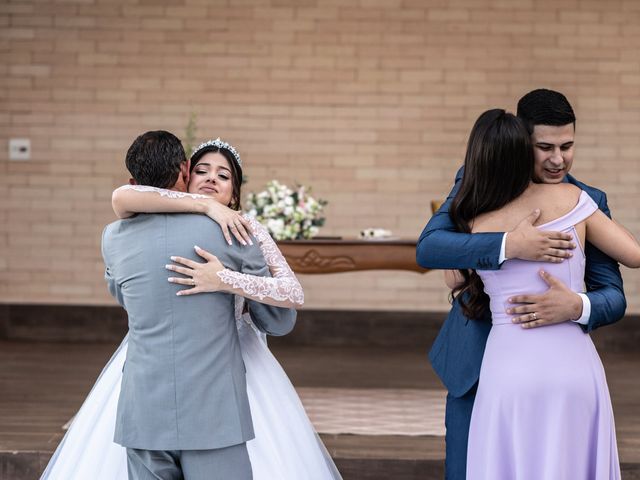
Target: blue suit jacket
<point>456,354</point>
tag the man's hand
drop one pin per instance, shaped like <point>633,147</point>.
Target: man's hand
<point>526,242</point>
<point>556,305</point>
<point>229,220</point>
<point>203,277</point>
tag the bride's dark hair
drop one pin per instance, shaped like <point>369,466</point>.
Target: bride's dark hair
<point>497,168</point>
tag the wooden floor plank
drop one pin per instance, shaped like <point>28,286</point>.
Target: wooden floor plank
<point>43,384</point>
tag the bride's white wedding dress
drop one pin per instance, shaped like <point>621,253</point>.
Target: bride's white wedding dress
<point>285,447</point>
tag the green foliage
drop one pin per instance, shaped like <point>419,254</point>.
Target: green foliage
<point>190,135</point>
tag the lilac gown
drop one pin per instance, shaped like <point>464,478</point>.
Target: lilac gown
<point>542,410</point>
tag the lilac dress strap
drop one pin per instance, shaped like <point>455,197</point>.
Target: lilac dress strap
<point>583,210</point>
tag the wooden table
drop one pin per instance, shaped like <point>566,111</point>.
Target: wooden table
<point>350,255</point>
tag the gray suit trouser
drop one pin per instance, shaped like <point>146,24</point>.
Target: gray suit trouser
<point>231,463</point>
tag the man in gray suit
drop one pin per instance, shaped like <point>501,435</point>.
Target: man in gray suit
<point>183,410</point>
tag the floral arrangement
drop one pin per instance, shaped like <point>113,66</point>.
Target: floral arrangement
<point>287,214</point>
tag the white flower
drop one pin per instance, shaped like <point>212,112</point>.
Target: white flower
<point>287,213</point>
<point>275,225</point>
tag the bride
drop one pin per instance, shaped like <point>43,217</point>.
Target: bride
<point>286,445</point>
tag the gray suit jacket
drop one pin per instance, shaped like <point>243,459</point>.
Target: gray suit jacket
<point>183,385</point>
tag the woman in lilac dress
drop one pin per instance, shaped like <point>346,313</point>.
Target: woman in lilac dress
<point>542,409</point>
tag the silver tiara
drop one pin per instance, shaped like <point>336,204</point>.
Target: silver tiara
<point>219,144</point>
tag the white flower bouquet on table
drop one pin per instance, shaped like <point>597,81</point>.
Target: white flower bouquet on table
<point>287,214</point>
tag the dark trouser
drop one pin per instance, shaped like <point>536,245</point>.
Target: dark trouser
<point>457,421</point>
<point>231,463</point>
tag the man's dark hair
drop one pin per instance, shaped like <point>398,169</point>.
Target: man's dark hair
<point>545,107</point>
<point>154,159</point>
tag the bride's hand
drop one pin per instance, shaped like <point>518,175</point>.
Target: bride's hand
<point>229,220</point>
<point>203,277</point>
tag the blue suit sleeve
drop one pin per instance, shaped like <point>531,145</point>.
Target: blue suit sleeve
<point>604,283</point>
<point>441,246</point>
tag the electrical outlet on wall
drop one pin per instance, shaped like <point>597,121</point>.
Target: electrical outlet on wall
<point>19,149</point>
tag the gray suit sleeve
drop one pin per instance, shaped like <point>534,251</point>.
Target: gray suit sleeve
<point>272,320</point>
<point>113,286</point>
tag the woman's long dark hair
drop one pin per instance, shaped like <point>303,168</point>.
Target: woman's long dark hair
<point>497,168</point>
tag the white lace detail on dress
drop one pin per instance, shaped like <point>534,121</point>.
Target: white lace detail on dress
<point>239,306</point>
<point>163,192</point>
<point>244,321</point>
<point>281,287</point>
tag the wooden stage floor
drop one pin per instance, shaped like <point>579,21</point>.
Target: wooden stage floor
<point>43,384</point>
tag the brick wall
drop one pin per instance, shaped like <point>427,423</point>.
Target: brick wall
<point>368,101</point>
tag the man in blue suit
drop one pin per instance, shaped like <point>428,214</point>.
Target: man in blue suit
<point>456,354</point>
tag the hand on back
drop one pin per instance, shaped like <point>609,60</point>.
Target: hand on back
<point>556,305</point>
<point>527,242</point>
<point>229,221</point>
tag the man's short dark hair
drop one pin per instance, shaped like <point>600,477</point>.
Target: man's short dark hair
<point>545,107</point>
<point>154,159</point>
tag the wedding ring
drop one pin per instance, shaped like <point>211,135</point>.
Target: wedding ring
<point>193,282</point>
<point>534,315</point>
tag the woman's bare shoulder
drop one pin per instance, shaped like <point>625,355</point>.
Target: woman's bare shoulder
<point>559,191</point>
<point>556,200</point>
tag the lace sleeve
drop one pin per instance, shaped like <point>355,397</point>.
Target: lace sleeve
<point>163,192</point>
<point>283,286</point>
